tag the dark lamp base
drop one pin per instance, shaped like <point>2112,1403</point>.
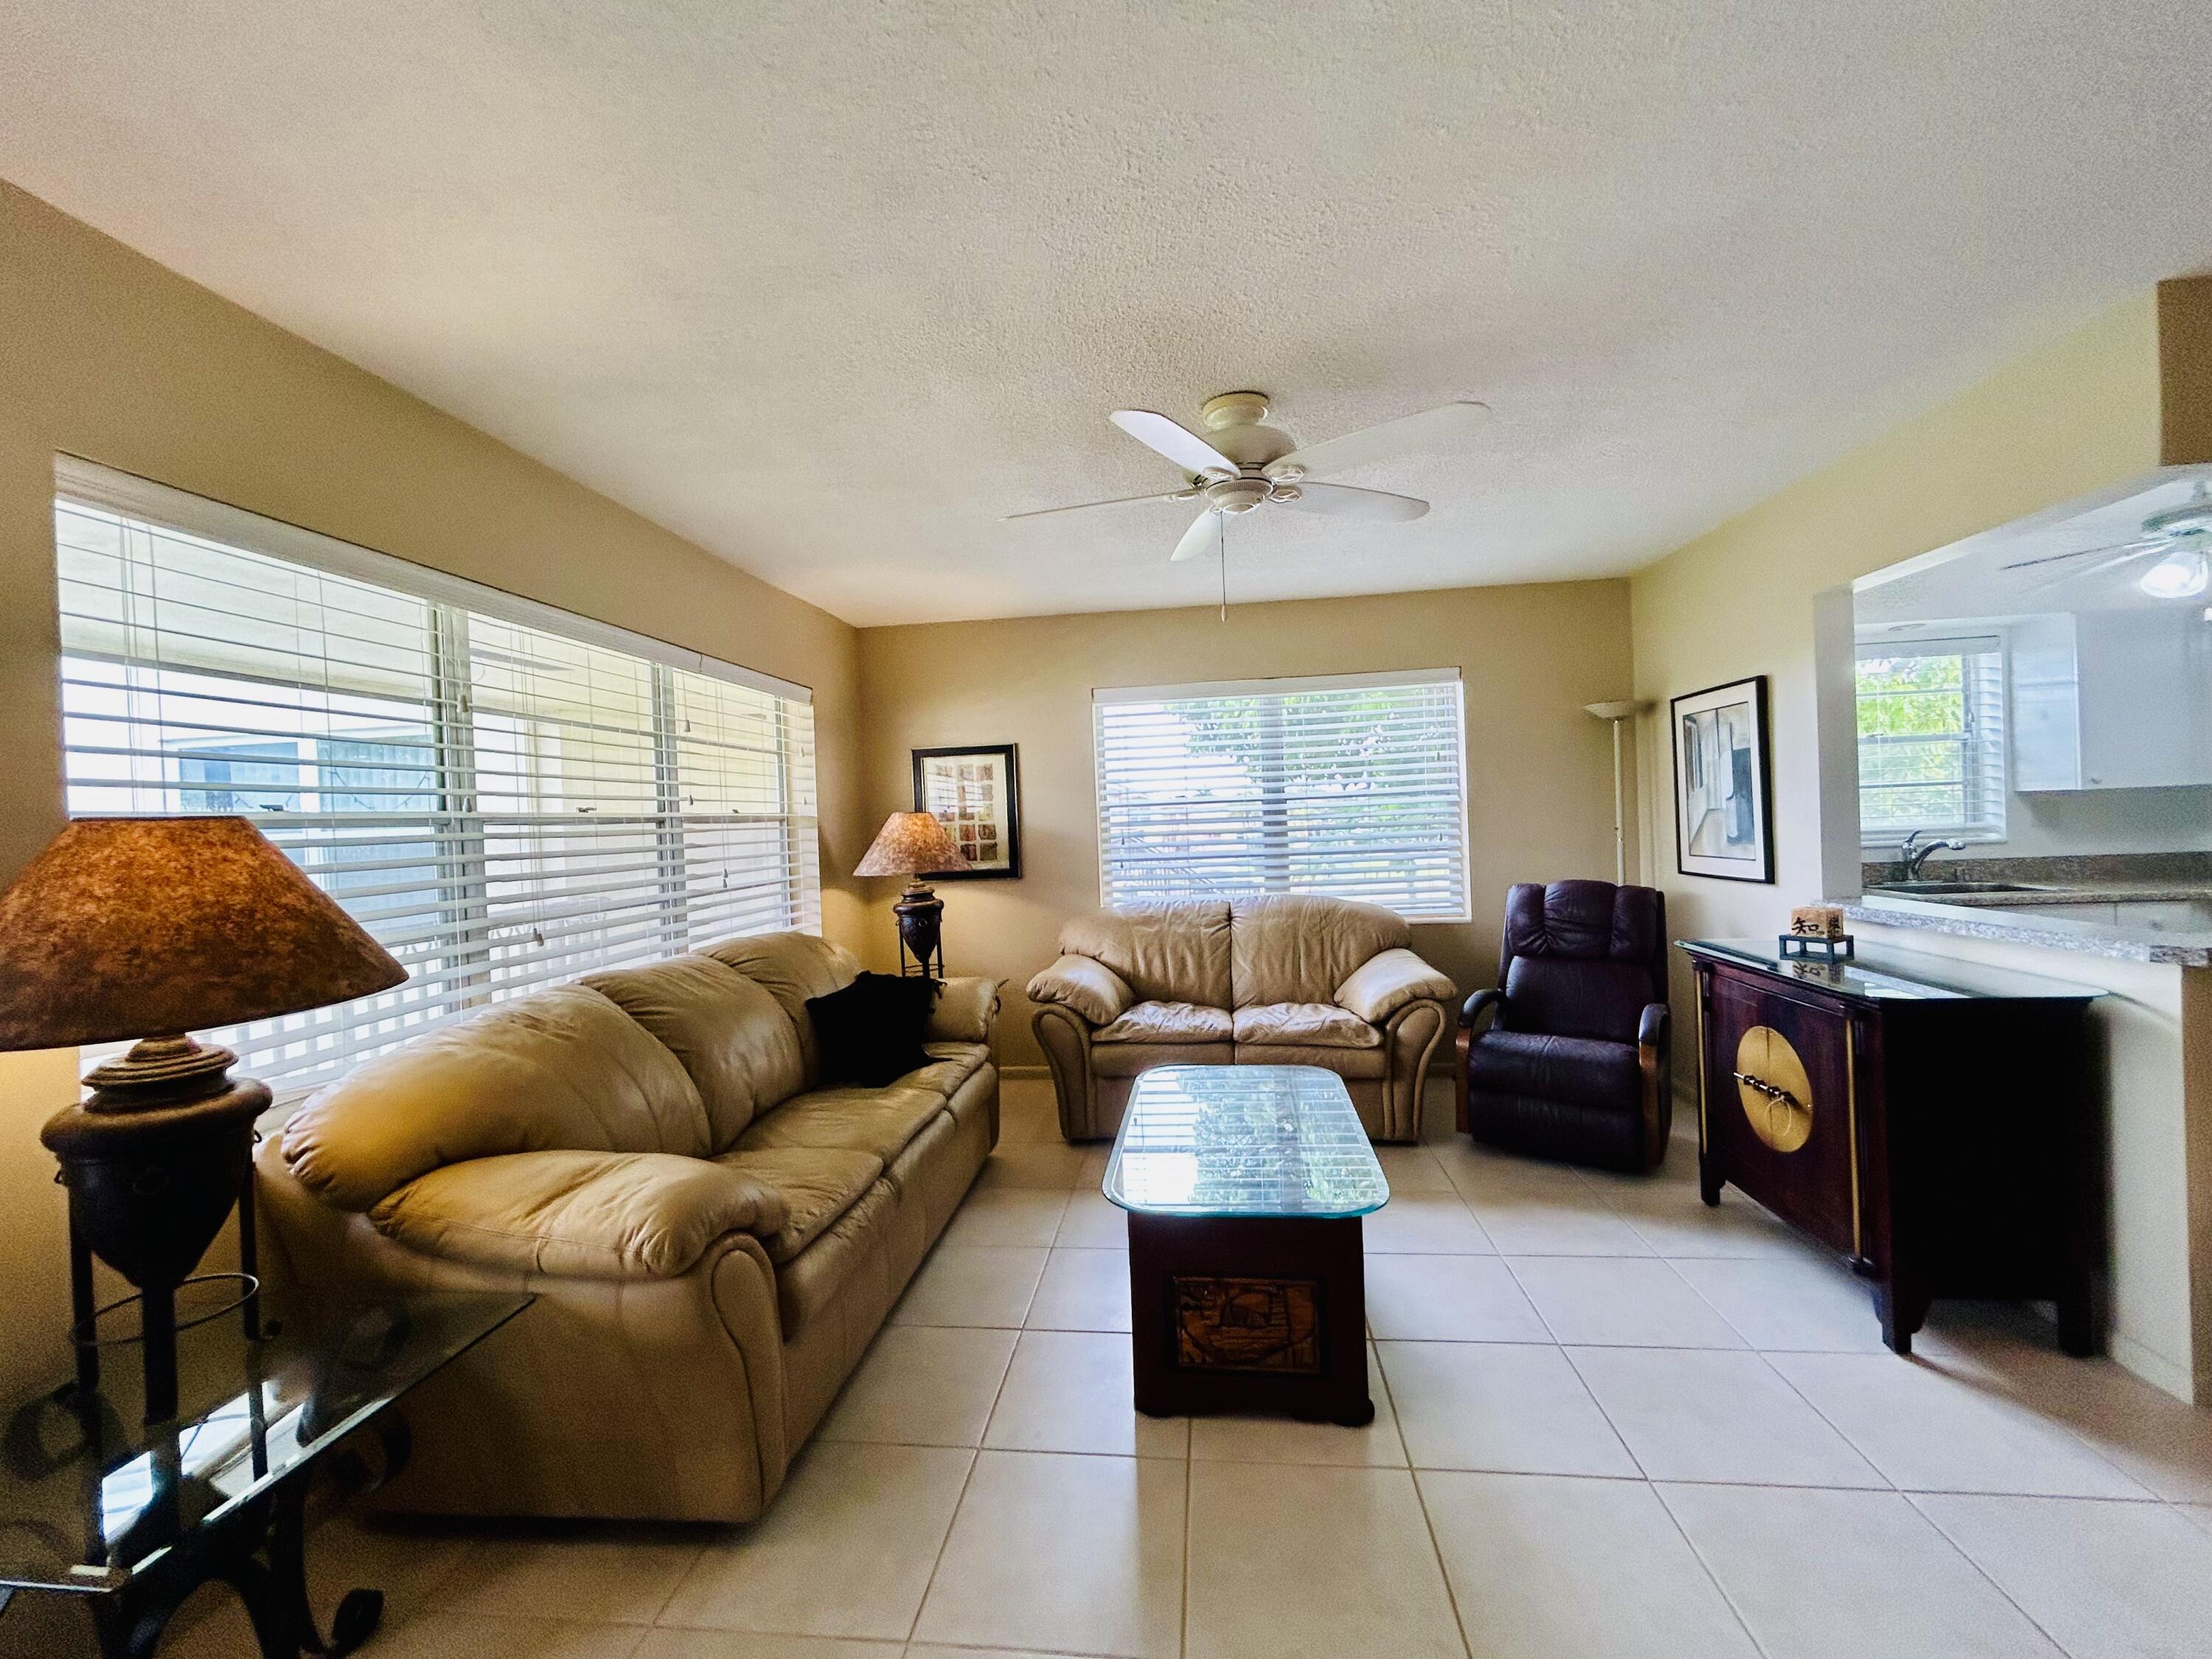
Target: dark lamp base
<point>159,1071</point>
<point>921,916</point>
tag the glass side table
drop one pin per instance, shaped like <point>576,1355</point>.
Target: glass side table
<point>1245,1186</point>
<point>137,1517</point>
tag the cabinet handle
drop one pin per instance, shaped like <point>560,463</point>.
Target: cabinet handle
<point>1772,1090</point>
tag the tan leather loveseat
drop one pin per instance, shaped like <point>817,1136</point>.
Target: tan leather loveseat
<point>712,1238</point>
<point>1295,980</point>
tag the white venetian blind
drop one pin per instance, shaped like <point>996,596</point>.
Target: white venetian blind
<point>1931,743</point>
<point>504,796</point>
<point>1351,785</point>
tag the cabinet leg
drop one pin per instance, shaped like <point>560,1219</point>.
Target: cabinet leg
<point>1901,1313</point>
<point>1709,1184</point>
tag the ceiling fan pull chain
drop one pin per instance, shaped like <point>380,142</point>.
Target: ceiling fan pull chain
<point>1225,568</point>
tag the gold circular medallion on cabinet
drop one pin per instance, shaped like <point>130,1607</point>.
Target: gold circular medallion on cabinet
<point>1777,1095</point>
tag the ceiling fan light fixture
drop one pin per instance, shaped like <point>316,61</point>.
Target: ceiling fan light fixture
<point>2180,575</point>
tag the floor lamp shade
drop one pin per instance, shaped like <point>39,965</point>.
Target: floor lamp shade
<point>149,928</point>
<point>914,844</point>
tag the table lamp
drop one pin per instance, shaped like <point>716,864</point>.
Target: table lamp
<point>145,928</point>
<point>914,844</point>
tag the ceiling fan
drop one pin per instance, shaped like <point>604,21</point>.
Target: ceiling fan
<point>2180,538</point>
<point>1243,462</point>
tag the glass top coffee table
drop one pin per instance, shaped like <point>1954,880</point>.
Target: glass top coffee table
<point>1244,1187</point>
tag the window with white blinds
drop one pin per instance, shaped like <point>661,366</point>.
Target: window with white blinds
<point>1352,785</point>
<point>504,795</point>
<point>1931,716</point>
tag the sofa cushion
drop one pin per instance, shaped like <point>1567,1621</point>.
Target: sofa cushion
<point>1299,947</point>
<point>951,1064</point>
<point>816,1185</point>
<point>587,1215</point>
<point>877,1120</point>
<point>1167,952</point>
<point>791,968</point>
<point>1308,1024</point>
<point>559,1070</point>
<point>1580,1071</point>
<point>728,1032</point>
<point>1085,984</point>
<point>811,1283</point>
<point>870,1032</point>
<point>1168,1021</point>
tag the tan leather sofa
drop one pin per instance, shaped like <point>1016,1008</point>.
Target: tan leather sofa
<point>1293,980</point>
<point>712,1238</point>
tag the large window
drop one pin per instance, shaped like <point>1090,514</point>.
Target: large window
<point>1931,739</point>
<point>504,795</point>
<point>1351,787</point>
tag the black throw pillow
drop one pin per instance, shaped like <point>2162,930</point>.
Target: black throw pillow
<point>870,1033</point>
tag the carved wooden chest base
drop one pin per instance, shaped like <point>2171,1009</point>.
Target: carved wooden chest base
<point>1249,1315</point>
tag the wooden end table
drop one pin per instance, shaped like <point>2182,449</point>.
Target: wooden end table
<point>1245,1186</point>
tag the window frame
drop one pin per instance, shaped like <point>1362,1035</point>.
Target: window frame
<point>1462,910</point>
<point>653,850</point>
<point>1984,742</point>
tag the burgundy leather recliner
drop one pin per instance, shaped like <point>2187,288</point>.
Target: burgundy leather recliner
<point>1575,1064</point>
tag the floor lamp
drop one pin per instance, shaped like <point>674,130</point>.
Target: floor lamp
<point>1614,713</point>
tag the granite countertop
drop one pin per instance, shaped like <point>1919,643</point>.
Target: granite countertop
<point>2026,919</point>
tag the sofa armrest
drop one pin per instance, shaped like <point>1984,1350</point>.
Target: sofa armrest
<point>1480,1003</point>
<point>1651,1030</point>
<point>966,1007</point>
<point>1086,985</point>
<point>1383,984</point>
<point>584,1215</point>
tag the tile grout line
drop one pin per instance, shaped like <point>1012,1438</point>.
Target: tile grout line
<point>1711,1577</point>
<point>1986,1576</point>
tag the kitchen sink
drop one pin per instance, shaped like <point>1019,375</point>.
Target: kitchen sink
<point>1933,889</point>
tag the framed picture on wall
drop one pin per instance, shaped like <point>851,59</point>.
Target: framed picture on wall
<point>976,795</point>
<point>1723,797</point>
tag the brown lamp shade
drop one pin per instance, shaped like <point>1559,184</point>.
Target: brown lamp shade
<point>910,844</point>
<point>126,928</point>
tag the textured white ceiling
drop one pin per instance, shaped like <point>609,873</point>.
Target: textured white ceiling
<point>830,289</point>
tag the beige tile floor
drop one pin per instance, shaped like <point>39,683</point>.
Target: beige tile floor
<point>1608,1422</point>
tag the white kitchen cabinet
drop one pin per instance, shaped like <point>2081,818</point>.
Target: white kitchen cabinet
<point>2112,699</point>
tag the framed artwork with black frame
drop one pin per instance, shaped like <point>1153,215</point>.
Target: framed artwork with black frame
<point>1724,790</point>
<point>976,793</point>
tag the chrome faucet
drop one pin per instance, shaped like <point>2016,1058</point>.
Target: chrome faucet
<point>1918,853</point>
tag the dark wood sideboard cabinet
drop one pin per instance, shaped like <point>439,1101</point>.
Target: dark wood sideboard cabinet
<point>1936,1123</point>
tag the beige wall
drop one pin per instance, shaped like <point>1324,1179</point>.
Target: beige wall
<point>105,354</point>
<point>1539,780</point>
<point>2081,414</point>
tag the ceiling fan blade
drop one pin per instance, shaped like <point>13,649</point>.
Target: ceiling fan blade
<point>2140,545</point>
<point>1085,507</point>
<point>1349,501</point>
<point>2127,553</point>
<point>1186,449</point>
<point>1429,429</point>
<point>1201,540</point>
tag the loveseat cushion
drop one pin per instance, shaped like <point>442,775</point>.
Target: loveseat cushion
<point>816,1185</point>
<point>1305,1025</point>
<point>1168,1021</point>
<point>585,1215</point>
<point>791,968</point>
<point>876,1121</point>
<point>1580,1071</point>
<point>731,1036</point>
<point>560,1070</point>
<point>1299,947</point>
<point>1167,952</point>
